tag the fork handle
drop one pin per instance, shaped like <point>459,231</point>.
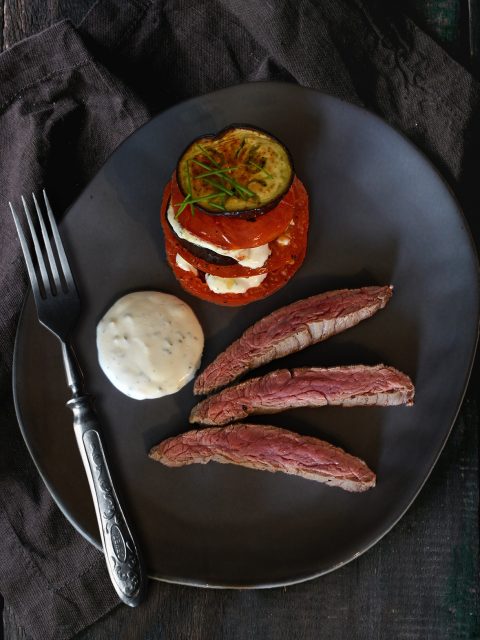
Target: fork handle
<point>124,563</point>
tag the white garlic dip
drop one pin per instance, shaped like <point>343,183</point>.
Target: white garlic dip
<point>149,344</point>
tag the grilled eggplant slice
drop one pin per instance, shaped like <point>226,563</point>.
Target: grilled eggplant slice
<point>247,168</point>
<point>202,252</point>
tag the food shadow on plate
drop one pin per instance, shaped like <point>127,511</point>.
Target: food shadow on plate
<point>307,421</point>
<point>241,318</point>
<point>356,430</point>
<point>337,425</point>
<point>174,423</point>
<point>307,285</point>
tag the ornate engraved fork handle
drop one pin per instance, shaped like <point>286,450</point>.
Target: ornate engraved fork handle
<point>58,309</point>
<point>121,553</point>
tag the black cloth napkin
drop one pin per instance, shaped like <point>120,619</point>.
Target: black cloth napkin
<point>68,97</point>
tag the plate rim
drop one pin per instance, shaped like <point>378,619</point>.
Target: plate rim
<point>394,521</point>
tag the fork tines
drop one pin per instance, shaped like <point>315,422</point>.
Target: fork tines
<point>52,273</point>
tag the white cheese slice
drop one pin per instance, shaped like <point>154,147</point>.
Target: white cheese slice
<point>183,264</point>
<point>253,258</point>
<point>233,285</point>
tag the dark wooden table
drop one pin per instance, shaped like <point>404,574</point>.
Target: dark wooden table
<point>381,599</point>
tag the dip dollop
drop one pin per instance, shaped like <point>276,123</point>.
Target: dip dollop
<point>149,344</point>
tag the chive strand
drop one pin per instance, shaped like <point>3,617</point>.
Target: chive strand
<point>205,153</point>
<point>257,166</point>
<point>202,164</point>
<point>216,205</point>
<point>189,181</point>
<point>239,186</point>
<point>219,186</point>
<point>233,182</point>
<point>189,200</point>
<point>215,172</point>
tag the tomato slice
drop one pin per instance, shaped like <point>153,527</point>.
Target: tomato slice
<point>281,254</point>
<point>229,232</point>
<point>275,280</point>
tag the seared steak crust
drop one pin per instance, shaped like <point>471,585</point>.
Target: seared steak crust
<point>356,385</point>
<point>267,448</point>
<point>291,329</point>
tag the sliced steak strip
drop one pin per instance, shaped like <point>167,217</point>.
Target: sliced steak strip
<point>291,329</point>
<point>351,386</point>
<point>267,449</point>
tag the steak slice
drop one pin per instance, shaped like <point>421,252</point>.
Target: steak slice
<point>291,329</point>
<point>351,386</point>
<point>267,449</point>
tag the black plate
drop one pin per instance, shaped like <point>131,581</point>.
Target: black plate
<point>379,214</point>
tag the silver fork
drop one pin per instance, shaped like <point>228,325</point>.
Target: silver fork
<point>58,308</point>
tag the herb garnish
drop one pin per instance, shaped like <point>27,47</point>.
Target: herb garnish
<point>219,186</point>
<point>215,172</point>
<point>217,176</point>
<point>239,187</point>
<point>189,200</point>
<point>257,166</point>
<point>192,208</point>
